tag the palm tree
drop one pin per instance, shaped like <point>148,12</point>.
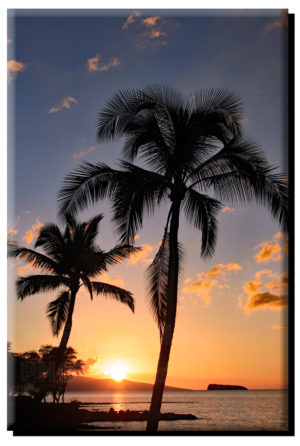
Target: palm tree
<point>191,148</point>
<point>71,260</point>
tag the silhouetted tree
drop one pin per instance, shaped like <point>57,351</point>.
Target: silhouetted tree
<point>192,147</point>
<point>71,259</point>
<point>37,372</point>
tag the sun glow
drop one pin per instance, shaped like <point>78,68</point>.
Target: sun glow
<point>117,372</point>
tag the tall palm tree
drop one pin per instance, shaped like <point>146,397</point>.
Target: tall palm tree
<point>191,147</point>
<point>71,259</point>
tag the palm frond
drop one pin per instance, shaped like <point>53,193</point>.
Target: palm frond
<point>91,229</point>
<point>157,280</point>
<point>157,276</point>
<point>114,292</point>
<point>127,105</point>
<point>86,282</point>
<point>201,210</point>
<point>140,191</point>
<point>241,173</point>
<point>51,240</point>
<point>85,185</point>
<point>119,253</point>
<point>27,286</point>
<point>37,259</point>
<point>57,311</point>
<point>217,107</point>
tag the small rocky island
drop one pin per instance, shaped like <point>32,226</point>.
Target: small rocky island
<point>225,387</point>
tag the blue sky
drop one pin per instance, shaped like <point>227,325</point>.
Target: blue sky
<point>67,65</point>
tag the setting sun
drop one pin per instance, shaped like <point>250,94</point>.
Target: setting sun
<point>117,372</point>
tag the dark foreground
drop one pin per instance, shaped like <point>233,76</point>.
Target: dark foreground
<point>27,415</point>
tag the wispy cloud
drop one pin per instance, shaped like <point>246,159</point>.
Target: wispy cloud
<point>281,22</point>
<point>89,363</point>
<point>262,295</point>
<point>221,269</point>
<point>84,152</point>
<point>14,67</point>
<point>25,270</point>
<point>107,278</point>
<point>151,21</point>
<point>13,230</point>
<point>279,326</point>
<point>65,103</point>
<point>94,63</point>
<point>131,19</point>
<point>142,256</point>
<point>267,300</point>
<point>203,283</point>
<point>150,30</point>
<point>33,232</point>
<point>264,272</point>
<point>227,209</point>
<point>12,235</point>
<point>272,250</point>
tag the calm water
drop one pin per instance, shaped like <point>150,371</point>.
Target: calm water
<point>250,410</point>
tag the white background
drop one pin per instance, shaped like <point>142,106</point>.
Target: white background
<point>6,437</point>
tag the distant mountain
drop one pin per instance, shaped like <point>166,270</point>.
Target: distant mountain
<point>82,383</point>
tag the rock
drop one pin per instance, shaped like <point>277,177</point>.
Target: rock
<point>225,387</point>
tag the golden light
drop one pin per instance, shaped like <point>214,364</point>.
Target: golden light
<point>117,372</point>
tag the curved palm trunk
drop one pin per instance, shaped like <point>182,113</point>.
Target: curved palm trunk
<point>166,342</point>
<point>68,325</point>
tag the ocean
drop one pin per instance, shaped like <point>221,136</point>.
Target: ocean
<point>231,410</point>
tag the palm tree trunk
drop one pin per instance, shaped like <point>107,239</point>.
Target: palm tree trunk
<point>166,343</point>
<point>68,325</point>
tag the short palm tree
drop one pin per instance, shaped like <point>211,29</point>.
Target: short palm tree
<point>71,259</point>
<point>191,147</point>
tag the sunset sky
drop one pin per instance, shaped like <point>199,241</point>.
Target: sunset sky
<point>62,68</point>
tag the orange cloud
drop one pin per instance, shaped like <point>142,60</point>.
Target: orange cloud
<point>227,209</point>
<point>93,64</point>
<point>264,272</point>
<point>270,250</point>
<point>201,287</point>
<point>267,300</point>
<point>274,298</point>
<point>33,232</point>
<point>151,34</point>
<point>154,34</point>
<point>106,278</point>
<point>279,326</point>
<point>141,256</point>
<point>252,286</point>
<point>89,363</point>
<point>279,285</point>
<point>151,21</point>
<point>14,67</point>
<point>220,269</point>
<point>204,282</point>
<point>131,19</point>
<point>84,152</point>
<point>25,270</point>
<point>64,103</point>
